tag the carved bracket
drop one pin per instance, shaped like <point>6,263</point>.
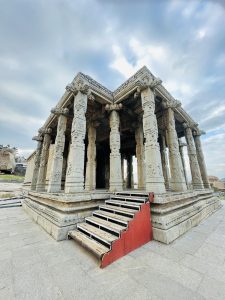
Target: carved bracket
<point>60,111</point>
<point>37,138</point>
<point>110,107</point>
<point>44,130</point>
<point>170,104</point>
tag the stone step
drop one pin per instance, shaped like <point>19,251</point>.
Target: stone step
<point>97,234</point>
<point>93,246</point>
<point>125,204</point>
<point>129,199</point>
<point>118,210</point>
<point>133,194</point>
<point>112,217</point>
<point>112,227</point>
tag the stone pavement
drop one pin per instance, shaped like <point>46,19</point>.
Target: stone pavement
<point>34,266</point>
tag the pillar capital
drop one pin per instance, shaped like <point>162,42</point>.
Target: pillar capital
<point>111,107</point>
<point>198,132</point>
<point>78,86</point>
<point>37,138</point>
<point>60,111</point>
<point>190,125</point>
<point>147,82</point>
<point>45,130</point>
<point>172,103</point>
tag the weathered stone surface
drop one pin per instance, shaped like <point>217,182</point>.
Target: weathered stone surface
<point>115,156</point>
<point>195,171</point>
<point>75,167</point>
<point>177,180</point>
<point>154,180</point>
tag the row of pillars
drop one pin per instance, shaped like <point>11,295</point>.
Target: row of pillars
<point>151,175</point>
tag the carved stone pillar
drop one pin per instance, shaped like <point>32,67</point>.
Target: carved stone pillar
<point>75,168</point>
<point>195,171</point>
<point>181,148</point>
<point>44,159</point>
<point>177,179</point>
<point>154,180</point>
<point>57,162</point>
<point>115,181</point>
<point>130,177</point>
<point>122,170</point>
<point>90,181</point>
<point>39,139</point>
<point>139,138</point>
<point>200,156</point>
<point>165,164</point>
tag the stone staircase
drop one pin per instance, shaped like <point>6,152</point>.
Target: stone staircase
<point>118,227</point>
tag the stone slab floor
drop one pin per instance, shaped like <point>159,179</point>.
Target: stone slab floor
<point>34,266</point>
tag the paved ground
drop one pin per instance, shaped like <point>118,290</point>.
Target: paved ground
<point>10,189</point>
<point>34,266</point>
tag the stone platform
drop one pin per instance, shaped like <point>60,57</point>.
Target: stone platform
<point>172,214</point>
<point>59,213</point>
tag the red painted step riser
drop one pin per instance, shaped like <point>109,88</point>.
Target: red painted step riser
<point>138,233</point>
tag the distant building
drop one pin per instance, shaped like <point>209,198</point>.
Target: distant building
<point>216,183</point>
<point>7,159</point>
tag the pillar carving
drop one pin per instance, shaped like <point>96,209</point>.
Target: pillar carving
<point>44,159</point>
<point>195,170</point>
<point>181,148</point>
<point>90,181</point>
<point>165,164</point>
<point>75,168</point>
<point>37,161</point>
<point>115,181</point>
<point>154,180</point>
<point>57,162</point>
<point>177,180</point>
<point>200,156</point>
<point>139,138</point>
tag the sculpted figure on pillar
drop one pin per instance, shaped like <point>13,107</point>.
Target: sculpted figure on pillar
<point>164,159</point>
<point>115,181</point>
<point>181,146</point>
<point>176,168</point>
<point>153,168</point>
<point>75,169</point>
<point>200,156</point>
<point>139,138</point>
<point>195,170</point>
<point>90,181</point>
<point>46,132</point>
<point>37,161</point>
<point>57,164</point>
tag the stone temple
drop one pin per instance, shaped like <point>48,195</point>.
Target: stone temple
<point>84,146</point>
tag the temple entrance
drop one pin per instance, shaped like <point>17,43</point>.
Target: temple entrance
<point>102,165</point>
<point>132,144</point>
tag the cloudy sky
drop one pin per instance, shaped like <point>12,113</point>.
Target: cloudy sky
<point>44,43</point>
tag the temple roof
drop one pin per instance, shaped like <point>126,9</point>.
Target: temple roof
<point>143,75</point>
